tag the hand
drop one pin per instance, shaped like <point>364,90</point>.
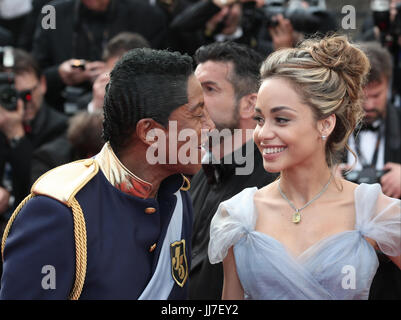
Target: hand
<point>99,90</point>
<point>391,181</point>
<point>4,199</point>
<point>69,75</point>
<point>212,23</point>
<point>283,34</point>
<point>11,122</point>
<point>94,69</point>
<point>74,76</point>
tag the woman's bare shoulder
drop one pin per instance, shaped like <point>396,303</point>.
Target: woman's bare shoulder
<point>345,186</point>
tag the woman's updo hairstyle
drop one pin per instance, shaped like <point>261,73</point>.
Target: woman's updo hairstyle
<point>329,75</point>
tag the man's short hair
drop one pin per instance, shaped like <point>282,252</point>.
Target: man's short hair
<point>381,63</point>
<point>246,63</point>
<point>123,42</point>
<point>144,83</point>
<point>85,133</point>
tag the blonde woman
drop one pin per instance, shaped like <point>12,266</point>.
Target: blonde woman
<point>310,234</point>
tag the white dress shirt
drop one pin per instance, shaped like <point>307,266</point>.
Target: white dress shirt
<point>368,140</point>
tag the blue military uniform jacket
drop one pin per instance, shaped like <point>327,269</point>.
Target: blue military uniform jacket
<point>124,237</point>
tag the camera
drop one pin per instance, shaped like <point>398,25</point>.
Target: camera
<point>72,95</point>
<point>367,175</point>
<point>272,9</point>
<point>306,19</point>
<point>8,94</point>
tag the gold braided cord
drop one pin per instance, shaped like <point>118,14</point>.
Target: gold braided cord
<point>10,222</point>
<point>80,249</point>
<point>188,184</point>
<point>80,242</point>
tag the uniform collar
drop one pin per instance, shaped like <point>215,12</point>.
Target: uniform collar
<point>119,176</point>
<point>124,180</point>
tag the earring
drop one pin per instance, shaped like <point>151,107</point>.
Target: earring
<point>324,138</point>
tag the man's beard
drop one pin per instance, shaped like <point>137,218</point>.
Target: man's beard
<point>232,124</point>
<point>372,118</point>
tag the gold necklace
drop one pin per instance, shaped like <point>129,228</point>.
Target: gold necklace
<point>296,217</point>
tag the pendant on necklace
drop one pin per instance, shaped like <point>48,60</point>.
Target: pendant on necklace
<point>296,217</point>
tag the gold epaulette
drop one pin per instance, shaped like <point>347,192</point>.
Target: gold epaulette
<point>62,184</point>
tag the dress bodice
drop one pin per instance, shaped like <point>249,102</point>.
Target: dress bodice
<point>340,266</point>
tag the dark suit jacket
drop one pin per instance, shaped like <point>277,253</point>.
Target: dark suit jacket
<point>392,150</point>
<point>51,155</point>
<point>191,22</point>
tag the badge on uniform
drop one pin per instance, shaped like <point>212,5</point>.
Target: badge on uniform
<point>179,265</point>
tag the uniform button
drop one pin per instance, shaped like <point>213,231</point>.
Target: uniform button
<point>152,247</point>
<point>150,210</point>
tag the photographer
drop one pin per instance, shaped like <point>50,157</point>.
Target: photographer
<point>223,20</point>
<point>378,147</point>
<point>114,50</point>
<point>24,126</point>
<point>83,29</point>
<point>84,133</point>
<point>378,143</point>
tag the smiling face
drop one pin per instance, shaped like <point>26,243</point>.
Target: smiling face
<point>286,132</point>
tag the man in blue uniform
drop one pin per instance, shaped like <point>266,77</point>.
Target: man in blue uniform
<point>117,226</point>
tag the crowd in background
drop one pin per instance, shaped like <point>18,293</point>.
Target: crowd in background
<point>59,75</point>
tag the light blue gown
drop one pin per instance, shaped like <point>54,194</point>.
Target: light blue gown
<point>341,266</point>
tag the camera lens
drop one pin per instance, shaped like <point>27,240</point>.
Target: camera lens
<point>8,98</point>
